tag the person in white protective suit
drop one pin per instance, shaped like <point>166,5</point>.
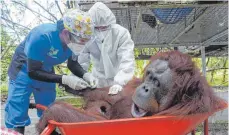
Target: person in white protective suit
<point>111,53</point>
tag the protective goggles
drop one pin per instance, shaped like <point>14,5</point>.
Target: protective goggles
<point>78,39</point>
<point>101,28</point>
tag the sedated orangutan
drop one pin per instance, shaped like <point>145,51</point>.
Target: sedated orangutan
<point>172,85</point>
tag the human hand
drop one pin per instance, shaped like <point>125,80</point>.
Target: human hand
<point>115,89</point>
<point>74,82</point>
<point>93,82</point>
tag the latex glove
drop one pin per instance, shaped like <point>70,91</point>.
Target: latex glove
<point>74,82</point>
<point>93,82</point>
<point>115,89</point>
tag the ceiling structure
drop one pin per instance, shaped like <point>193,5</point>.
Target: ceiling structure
<point>206,25</point>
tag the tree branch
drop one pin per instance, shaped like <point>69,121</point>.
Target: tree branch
<point>14,23</point>
<point>58,7</point>
<point>210,70</point>
<point>32,10</point>
<point>45,10</point>
<point>8,13</point>
<point>5,52</point>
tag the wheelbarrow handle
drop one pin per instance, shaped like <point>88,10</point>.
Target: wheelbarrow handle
<point>37,106</point>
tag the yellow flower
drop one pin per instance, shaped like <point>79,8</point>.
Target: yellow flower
<point>79,17</point>
<point>88,27</point>
<point>66,26</point>
<point>77,22</point>
<point>88,19</point>
<point>88,32</point>
<point>78,27</point>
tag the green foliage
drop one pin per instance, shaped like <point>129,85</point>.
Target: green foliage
<point>77,102</point>
<point>136,52</point>
<point>216,70</point>
<point>4,88</point>
<point>60,92</point>
<point>90,67</point>
<point>139,67</point>
<point>62,70</point>
<point>5,43</point>
<point>216,67</point>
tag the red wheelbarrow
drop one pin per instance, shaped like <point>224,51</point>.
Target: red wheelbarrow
<point>154,125</point>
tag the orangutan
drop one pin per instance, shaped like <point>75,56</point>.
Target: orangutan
<point>172,85</point>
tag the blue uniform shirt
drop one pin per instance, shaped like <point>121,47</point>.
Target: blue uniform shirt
<point>43,44</point>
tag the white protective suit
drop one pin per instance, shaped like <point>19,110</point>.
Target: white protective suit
<point>113,60</point>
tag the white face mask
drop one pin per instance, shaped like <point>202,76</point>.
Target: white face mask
<point>99,35</point>
<point>101,32</point>
<point>75,48</point>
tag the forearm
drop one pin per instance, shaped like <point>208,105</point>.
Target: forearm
<point>45,76</point>
<point>36,72</point>
<point>75,68</point>
<point>84,60</point>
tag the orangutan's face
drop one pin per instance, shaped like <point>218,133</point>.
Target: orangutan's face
<point>151,94</point>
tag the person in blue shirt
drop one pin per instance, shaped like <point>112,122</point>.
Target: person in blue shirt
<point>31,69</point>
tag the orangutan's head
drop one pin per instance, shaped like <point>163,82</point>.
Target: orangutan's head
<point>157,81</point>
<point>172,81</point>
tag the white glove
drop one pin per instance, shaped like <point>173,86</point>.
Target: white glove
<point>115,89</point>
<point>93,82</point>
<point>74,82</point>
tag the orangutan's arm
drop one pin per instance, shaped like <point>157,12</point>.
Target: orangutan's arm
<point>63,112</point>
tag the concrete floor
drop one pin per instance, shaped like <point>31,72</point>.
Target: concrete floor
<point>30,130</point>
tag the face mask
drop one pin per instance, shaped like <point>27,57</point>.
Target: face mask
<point>99,35</point>
<point>100,32</point>
<point>75,48</point>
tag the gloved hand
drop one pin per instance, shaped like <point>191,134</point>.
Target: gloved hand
<point>93,82</point>
<point>115,89</point>
<point>74,82</point>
